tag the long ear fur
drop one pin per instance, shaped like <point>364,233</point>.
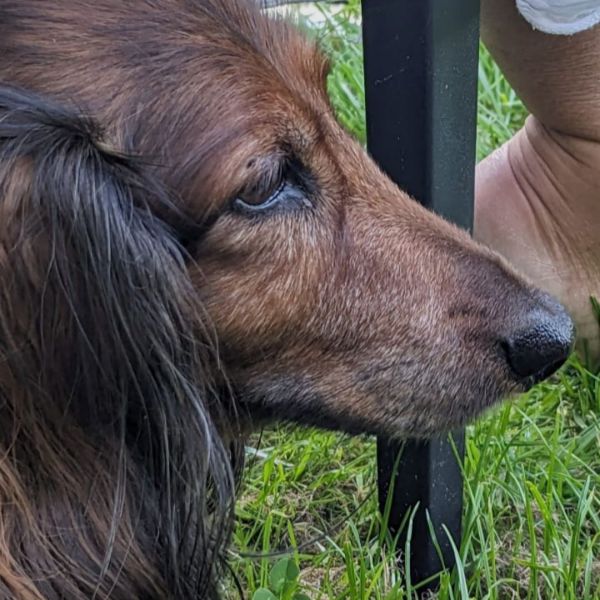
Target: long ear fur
<point>115,481</point>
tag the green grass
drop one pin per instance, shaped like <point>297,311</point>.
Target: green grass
<point>532,467</point>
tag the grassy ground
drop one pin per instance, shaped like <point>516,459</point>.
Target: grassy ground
<point>532,467</point>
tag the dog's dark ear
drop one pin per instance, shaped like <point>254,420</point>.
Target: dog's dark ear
<point>103,345</point>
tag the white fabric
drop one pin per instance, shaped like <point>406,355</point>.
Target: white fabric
<point>561,17</point>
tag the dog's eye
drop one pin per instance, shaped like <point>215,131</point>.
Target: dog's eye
<point>283,196</point>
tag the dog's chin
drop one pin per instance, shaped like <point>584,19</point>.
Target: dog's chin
<point>439,425</point>
<point>422,414</point>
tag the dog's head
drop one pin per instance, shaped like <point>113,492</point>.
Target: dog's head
<point>250,249</point>
<point>335,298</point>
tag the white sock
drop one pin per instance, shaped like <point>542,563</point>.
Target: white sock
<point>560,17</point>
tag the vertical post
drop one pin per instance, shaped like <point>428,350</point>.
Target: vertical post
<point>421,61</point>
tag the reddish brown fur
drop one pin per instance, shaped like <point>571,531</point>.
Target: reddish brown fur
<point>364,312</point>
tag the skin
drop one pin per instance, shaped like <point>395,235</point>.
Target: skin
<point>537,196</point>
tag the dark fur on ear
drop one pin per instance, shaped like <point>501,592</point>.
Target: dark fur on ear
<point>115,480</point>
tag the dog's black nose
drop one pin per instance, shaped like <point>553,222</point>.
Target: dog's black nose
<point>542,342</point>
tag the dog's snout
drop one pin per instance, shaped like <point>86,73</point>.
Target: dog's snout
<point>542,341</point>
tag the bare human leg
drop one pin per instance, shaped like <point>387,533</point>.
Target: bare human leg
<point>538,197</point>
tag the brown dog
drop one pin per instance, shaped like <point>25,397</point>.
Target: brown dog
<point>189,244</point>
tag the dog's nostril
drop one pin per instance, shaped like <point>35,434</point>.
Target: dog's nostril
<point>542,343</point>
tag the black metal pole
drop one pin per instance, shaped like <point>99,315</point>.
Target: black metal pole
<point>421,97</point>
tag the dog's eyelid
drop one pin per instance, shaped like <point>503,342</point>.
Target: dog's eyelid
<point>269,173</point>
<point>280,181</point>
<point>286,187</point>
<point>287,197</point>
<point>262,185</point>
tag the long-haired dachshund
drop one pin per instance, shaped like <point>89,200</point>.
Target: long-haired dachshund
<point>191,245</point>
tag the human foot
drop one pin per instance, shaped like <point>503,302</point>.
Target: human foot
<point>537,202</point>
